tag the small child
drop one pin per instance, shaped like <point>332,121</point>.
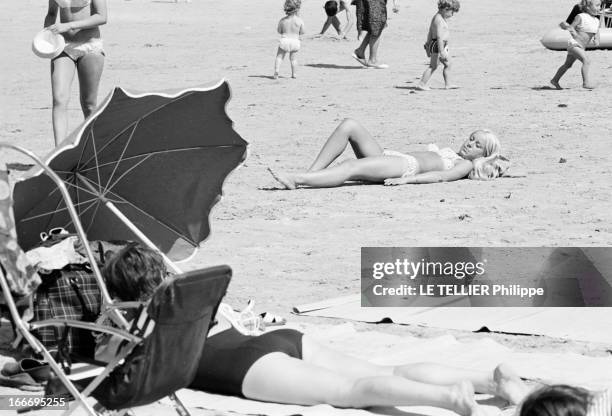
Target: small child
<point>290,28</point>
<point>332,8</point>
<point>584,29</point>
<point>436,46</point>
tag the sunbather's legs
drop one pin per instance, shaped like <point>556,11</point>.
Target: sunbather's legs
<point>502,381</point>
<point>348,131</point>
<point>279,378</point>
<point>373,169</point>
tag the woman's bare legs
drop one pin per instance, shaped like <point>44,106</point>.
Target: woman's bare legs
<point>62,74</point>
<point>372,42</point>
<point>502,381</point>
<point>348,131</point>
<point>89,68</point>
<point>279,378</point>
<point>360,51</point>
<point>370,165</point>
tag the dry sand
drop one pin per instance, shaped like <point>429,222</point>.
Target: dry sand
<point>292,247</point>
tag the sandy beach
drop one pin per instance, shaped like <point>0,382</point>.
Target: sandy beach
<point>293,247</point>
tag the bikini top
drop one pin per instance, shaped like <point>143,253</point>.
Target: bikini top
<point>588,23</point>
<point>448,155</point>
<point>72,3</point>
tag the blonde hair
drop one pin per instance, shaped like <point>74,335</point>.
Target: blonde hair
<point>492,165</point>
<point>586,4</point>
<point>449,4</point>
<point>292,6</point>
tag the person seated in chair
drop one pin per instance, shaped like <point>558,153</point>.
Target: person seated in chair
<point>288,366</point>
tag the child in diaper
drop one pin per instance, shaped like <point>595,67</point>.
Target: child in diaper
<point>290,28</point>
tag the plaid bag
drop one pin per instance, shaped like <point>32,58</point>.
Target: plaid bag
<point>69,293</point>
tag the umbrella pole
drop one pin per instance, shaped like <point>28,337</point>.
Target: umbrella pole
<point>106,300</point>
<point>129,223</point>
<point>141,235</point>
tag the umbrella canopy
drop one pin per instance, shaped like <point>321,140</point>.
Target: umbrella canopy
<point>156,161</point>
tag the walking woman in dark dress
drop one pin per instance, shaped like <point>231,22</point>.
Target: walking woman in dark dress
<point>371,18</point>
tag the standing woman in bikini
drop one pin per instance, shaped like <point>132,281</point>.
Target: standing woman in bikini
<point>79,22</point>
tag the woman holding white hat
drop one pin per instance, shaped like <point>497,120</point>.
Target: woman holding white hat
<point>79,24</point>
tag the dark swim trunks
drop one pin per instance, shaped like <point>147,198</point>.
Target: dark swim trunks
<point>371,16</point>
<point>331,8</point>
<point>434,47</point>
<point>228,355</point>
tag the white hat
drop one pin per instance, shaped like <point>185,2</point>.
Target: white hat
<point>47,44</point>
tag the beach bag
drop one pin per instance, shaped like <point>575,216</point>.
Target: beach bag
<point>69,293</point>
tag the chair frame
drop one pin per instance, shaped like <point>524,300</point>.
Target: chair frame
<point>108,308</point>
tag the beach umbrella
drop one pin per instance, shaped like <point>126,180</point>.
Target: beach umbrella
<point>143,167</point>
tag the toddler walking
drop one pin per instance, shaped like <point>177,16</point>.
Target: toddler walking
<point>436,46</point>
<point>584,29</point>
<point>290,28</point>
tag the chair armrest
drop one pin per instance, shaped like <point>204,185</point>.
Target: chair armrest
<point>88,326</point>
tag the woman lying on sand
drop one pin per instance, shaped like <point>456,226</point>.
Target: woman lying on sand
<point>287,366</point>
<point>478,158</point>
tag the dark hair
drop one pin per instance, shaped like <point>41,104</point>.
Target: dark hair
<point>557,400</point>
<point>331,8</point>
<point>134,272</point>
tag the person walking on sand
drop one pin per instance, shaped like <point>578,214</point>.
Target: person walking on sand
<point>290,28</point>
<point>478,158</point>
<point>79,24</point>
<point>584,30</point>
<point>332,8</point>
<point>371,18</point>
<point>436,46</point>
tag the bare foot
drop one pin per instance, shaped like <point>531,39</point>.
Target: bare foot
<point>508,385</point>
<point>293,76</point>
<point>276,75</point>
<point>285,180</point>
<point>422,87</point>
<point>463,399</point>
<point>588,87</point>
<point>451,87</point>
<point>556,84</point>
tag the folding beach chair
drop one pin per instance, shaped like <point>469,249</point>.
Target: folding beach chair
<point>146,368</point>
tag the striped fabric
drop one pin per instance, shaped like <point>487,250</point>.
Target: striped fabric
<point>601,404</point>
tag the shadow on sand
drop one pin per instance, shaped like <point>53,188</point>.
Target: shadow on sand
<point>263,76</point>
<point>333,66</point>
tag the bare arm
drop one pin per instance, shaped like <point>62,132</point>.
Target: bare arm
<point>302,30</point>
<point>395,6</point>
<point>571,28</point>
<point>51,16</point>
<point>349,18</point>
<point>461,169</point>
<point>97,18</point>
